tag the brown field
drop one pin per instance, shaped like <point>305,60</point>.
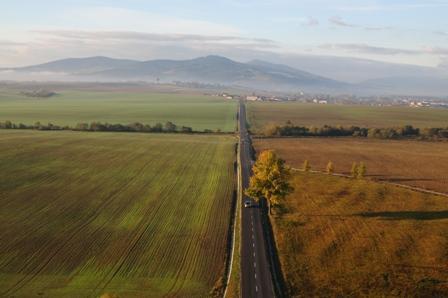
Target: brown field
<point>339,237</point>
<point>260,114</point>
<point>414,163</point>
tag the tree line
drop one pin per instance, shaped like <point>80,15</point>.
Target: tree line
<point>358,170</point>
<point>407,131</point>
<point>168,127</point>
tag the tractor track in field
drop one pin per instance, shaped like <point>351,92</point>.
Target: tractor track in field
<point>140,232</point>
<point>28,278</point>
<point>166,247</point>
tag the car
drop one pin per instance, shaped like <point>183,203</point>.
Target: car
<point>247,204</point>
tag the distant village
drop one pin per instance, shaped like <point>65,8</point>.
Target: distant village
<point>414,102</point>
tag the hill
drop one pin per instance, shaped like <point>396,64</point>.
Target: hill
<point>78,65</point>
<point>314,74</point>
<point>210,69</point>
<point>220,70</point>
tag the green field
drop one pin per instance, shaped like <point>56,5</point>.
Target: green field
<point>72,107</point>
<point>263,113</point>
<point>137,215</point>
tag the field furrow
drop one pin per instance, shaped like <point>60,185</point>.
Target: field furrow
<point>84,214</point>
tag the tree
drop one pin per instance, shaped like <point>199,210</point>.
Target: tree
<point>271,130</point>
<point>186,129</point>
<point>354,170</point>
<point>306,166</point>
<point>8,124</point>
<point>361,170</point>
<point>170,127</point>
<point>158,127</point>
<point>270,179</point>
<point>330,168</point>
<point>79,126</point>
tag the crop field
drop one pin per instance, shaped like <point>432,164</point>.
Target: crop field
<point>339,237</point>
<point>414,163</point>
<point>262,113</point>
<point>71,107</point>
<point>135,215</point>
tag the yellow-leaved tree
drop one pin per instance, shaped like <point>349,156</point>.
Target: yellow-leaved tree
<point>270,179</point>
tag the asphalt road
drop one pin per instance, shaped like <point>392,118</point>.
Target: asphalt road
<point>256,278</point>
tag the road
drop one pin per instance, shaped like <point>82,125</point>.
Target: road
<point>256,278</point>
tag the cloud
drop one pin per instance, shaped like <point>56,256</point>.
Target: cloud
<point>437,51</point>
<point>378,28</point>
<point>444,64</point>
<point>443,33</point>
<point>427,4</point>
<point>338,21</point>
<point>368,49</point>
<point>115,19</point>
<point>8,43</point>
<point>117,37</point>
<point>310,21</point>
<point>49,45</point>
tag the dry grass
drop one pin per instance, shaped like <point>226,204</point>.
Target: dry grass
<point>339,237</point>
<point>415,163</point>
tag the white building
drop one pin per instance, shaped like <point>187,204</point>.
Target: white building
<point>252,98</point>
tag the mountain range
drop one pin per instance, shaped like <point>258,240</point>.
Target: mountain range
<point>256,75</point>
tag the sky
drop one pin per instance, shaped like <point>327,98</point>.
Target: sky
<point>397,31</point>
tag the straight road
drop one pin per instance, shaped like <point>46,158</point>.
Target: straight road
<point>256,278</point>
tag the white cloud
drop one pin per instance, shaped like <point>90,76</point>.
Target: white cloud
<point>338,21</point>
<point>369,49</point>
<point>120,19</point>
<point>393,7</point>
<point>306,21</point>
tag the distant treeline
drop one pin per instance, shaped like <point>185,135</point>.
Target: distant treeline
<point>168,127</point>
<point>407,131</point>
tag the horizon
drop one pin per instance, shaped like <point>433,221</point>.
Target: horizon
<point>399,32</point>
<point>206,56</point>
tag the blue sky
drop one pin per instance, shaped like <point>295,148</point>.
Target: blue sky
<point>412,32</point>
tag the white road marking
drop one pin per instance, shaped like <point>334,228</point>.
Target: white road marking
<point>254,254</point>
<point>255,264</point>
<point>255,276</point>
<point>253,244</point>
<point>256,288</point>
<point>253,237</point>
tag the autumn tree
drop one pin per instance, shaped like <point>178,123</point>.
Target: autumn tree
<point>306,166</point>
<point>270,179</point>
<point>354,170</point>
<point>330,168</point>
<point>362,169</point>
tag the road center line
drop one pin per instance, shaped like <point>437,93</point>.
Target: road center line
<point>255,264</point>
